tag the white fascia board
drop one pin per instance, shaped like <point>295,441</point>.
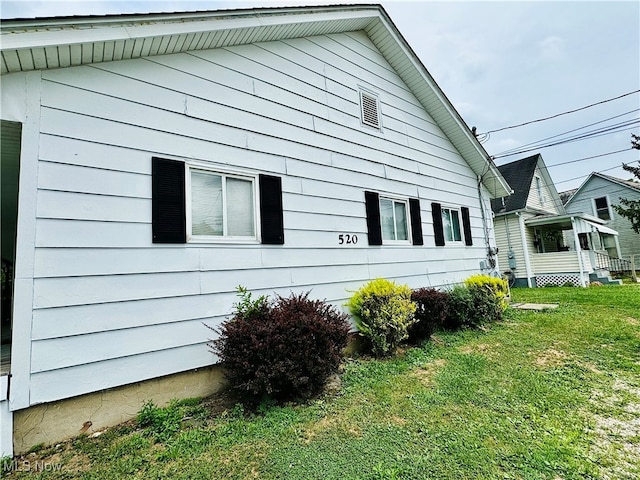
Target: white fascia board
<point>458,134</point>
<point>584,182</point>
<point>16,35</point>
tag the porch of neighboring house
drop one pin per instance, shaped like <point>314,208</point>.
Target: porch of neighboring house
<point>574,250</point>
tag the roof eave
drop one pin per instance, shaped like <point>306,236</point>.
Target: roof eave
<point>28,45</point>
<point>413,72</point>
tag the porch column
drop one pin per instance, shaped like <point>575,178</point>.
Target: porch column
<point>525,248</point>
<point>578,251</point>
<point>615,239</point>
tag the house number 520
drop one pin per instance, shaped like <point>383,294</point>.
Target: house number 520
<point>347,239</point>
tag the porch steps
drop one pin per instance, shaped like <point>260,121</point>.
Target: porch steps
<point>603,277</point>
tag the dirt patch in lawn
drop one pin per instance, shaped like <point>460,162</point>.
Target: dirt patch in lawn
<point>427,372</point>
<point>551,358</point>
<point>486,349</point>
<point>633,321</point>
<point>617,431</point>
<point>327,424</point>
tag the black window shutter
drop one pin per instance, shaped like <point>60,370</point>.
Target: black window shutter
<point>374,229</point>
<point>466,225</point>
<point>271,216</point>
<point>416,221</point>
<point>438,229</point>
<point>168,201</point>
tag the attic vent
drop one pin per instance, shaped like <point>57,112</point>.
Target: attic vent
<point>369,109</point>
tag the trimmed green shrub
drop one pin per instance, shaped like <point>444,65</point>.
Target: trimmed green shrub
<point>383,312</point>
<point>487,306</point>
<point>499,286</point>
<point>473,306</point>
<point>459,308</point>
<point>282,350</point>
<point>431,313</point>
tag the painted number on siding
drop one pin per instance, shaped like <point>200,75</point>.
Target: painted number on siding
<point>347,239</point>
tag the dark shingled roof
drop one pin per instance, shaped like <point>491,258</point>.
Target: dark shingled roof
<point>519,175</point>
<point>566,195</point>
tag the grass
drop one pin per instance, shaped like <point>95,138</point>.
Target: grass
<point>543,395</point>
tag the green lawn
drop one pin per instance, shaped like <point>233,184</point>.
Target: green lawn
<point>542,395</point>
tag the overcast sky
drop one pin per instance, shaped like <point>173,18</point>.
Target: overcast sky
<point>499,63</point>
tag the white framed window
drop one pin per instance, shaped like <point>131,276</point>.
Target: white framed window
<point>221,206</point>
<point>601,208</point>
<point>394,221</point>
<point>370,109</point>
<point>539,190</point>
<point>451,224</point>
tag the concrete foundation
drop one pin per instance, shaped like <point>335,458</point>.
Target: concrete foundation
<point>54,422</point>
<point>6,419</point>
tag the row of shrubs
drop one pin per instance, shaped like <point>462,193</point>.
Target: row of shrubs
<point>286,348</point>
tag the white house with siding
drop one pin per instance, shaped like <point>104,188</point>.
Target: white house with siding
<point>539,242</point>
<point>158,161</point>
<point>597,195</point>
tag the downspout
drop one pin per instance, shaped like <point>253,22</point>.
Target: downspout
<point>491,251</point>
<point>576,239</point>
<point>525,249</point>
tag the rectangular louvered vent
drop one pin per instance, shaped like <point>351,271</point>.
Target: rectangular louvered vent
<point>370,111</point>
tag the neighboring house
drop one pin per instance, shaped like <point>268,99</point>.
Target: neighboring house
<point>597,194</point>
<point>165,159</point>
<point>531,228</point>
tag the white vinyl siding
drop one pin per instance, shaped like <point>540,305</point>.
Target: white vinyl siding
<point>597,187</point>
<point>509,237</point>
<point>540,195</point>
<point>288,108</point>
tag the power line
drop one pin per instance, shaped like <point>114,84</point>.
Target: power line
<point>568,131</point>
<point>601,171</point>
<point>609,129</point>
<point>588,158</point>
<point>560,114</point>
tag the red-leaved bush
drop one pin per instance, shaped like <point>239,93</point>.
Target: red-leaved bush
<point>431,312</point>
<point>281,350</point>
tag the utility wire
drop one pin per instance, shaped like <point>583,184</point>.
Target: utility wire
<point>601,171</point>
<point>622,126</point>
<point>560,114</point>
<point>568,131</point>
<point>588,158</point>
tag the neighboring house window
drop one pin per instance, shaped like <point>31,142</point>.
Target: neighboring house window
<point>539,190</point>
<point>391,220</point>
<point>602,208</point>
<point>210,206</point>
<point>222,206</point>
<point>447,222</point>
<point>370,109</point>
